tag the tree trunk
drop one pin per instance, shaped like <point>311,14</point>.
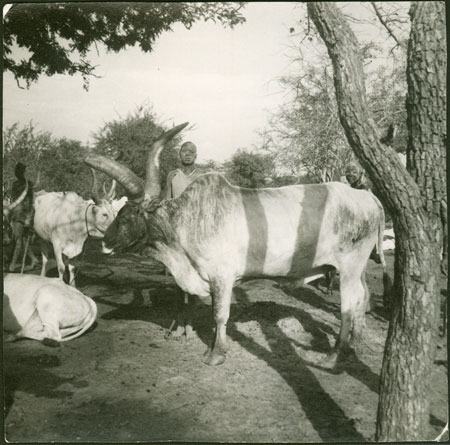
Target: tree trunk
<point>403,411</point>
<point>426,104</point>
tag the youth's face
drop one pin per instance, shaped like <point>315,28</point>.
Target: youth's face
<point>188,155</point>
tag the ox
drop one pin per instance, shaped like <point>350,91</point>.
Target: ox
<point>215,233</point>
<point>65,220</point>
<point>44,309</point>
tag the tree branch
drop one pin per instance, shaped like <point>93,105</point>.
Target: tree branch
<point>385,24</point>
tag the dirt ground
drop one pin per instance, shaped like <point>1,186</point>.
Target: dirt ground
<point>123,381</point>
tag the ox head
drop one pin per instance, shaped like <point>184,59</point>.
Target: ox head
<point>129,229</point>
<point>102,213</point>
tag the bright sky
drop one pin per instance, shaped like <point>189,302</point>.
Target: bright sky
<point>223,81</point>
<point>219,79</point>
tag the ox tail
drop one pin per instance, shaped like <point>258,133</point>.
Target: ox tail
<point>88,321</point>
<point>387,281</point>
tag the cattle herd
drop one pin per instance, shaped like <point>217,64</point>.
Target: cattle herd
<point>208,238</point>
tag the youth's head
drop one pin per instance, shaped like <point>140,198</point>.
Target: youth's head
<point>353,173</point>
<point>188,153</point>
<point>19,171</point>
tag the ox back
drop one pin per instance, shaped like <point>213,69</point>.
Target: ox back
<point>287,231</point>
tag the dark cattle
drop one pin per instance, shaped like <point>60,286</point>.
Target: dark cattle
<point>216,233</point>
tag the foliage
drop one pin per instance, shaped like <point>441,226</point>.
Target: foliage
<point>210,166</point>
<point>58,36</point>
<point>63,169</point>
<point>25,145</point>
<point>130,137</point>
<point>58,162</point>
<point>249,169</point>
<point>305,135</point>
<point>387,97</point>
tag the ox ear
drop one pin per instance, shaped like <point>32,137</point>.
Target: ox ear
<point>152,187</point>
<point>111,194</point>
<point>122,174</point>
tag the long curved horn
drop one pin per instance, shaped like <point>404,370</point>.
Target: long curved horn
<point>112,191</point>
<point>95,194</point>
<point>38,180</point>
<point>152,187</point>
<point>16,202</point>
<point>122,174</point>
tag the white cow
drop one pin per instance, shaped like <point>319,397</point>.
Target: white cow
<point>65,220</point>
<point>44,308</point>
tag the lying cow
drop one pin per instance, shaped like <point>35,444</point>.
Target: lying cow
<point>65,220</point>
<point>44,309</point>
<point>216,233</point>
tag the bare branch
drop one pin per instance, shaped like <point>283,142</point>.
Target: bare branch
<point>385,24</point>
<point>18,83</point>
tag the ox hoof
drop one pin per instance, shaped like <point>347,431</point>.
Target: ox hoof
<point>214,358</point>
<point>329,361</point>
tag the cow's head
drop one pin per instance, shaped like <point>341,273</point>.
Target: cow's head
<point>102,214</point>
<point>129,228</point>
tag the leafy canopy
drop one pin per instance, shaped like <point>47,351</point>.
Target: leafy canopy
<point>58,36</point>
<point>58,163</point>
<point>131,137</point>
<point>249,169</point>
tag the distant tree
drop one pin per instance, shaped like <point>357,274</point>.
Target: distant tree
<point>130,137</point>
<point>58,163</point>
<point>24,144</point>
<point>210,166</point>
<point>305,135</point>
<point>58,36</point>
<point>62,168</point>
<point>249,169</point>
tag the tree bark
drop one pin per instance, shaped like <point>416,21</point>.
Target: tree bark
<point>403,411</point>
<point>426,104</point>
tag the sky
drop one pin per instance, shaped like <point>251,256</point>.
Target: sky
<point>223,81</point>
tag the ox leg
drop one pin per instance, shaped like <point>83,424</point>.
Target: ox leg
<point>71,274</point>
<point>59,261</point>
<point>31,255</point>
<point>45,322</point>
<point>18,239</point>
<point>367,302</point>
<point>45,253</point>
<point>221,300</point>
<point>354,296</point>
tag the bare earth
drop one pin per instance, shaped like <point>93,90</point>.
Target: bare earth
<point>123,382</point>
